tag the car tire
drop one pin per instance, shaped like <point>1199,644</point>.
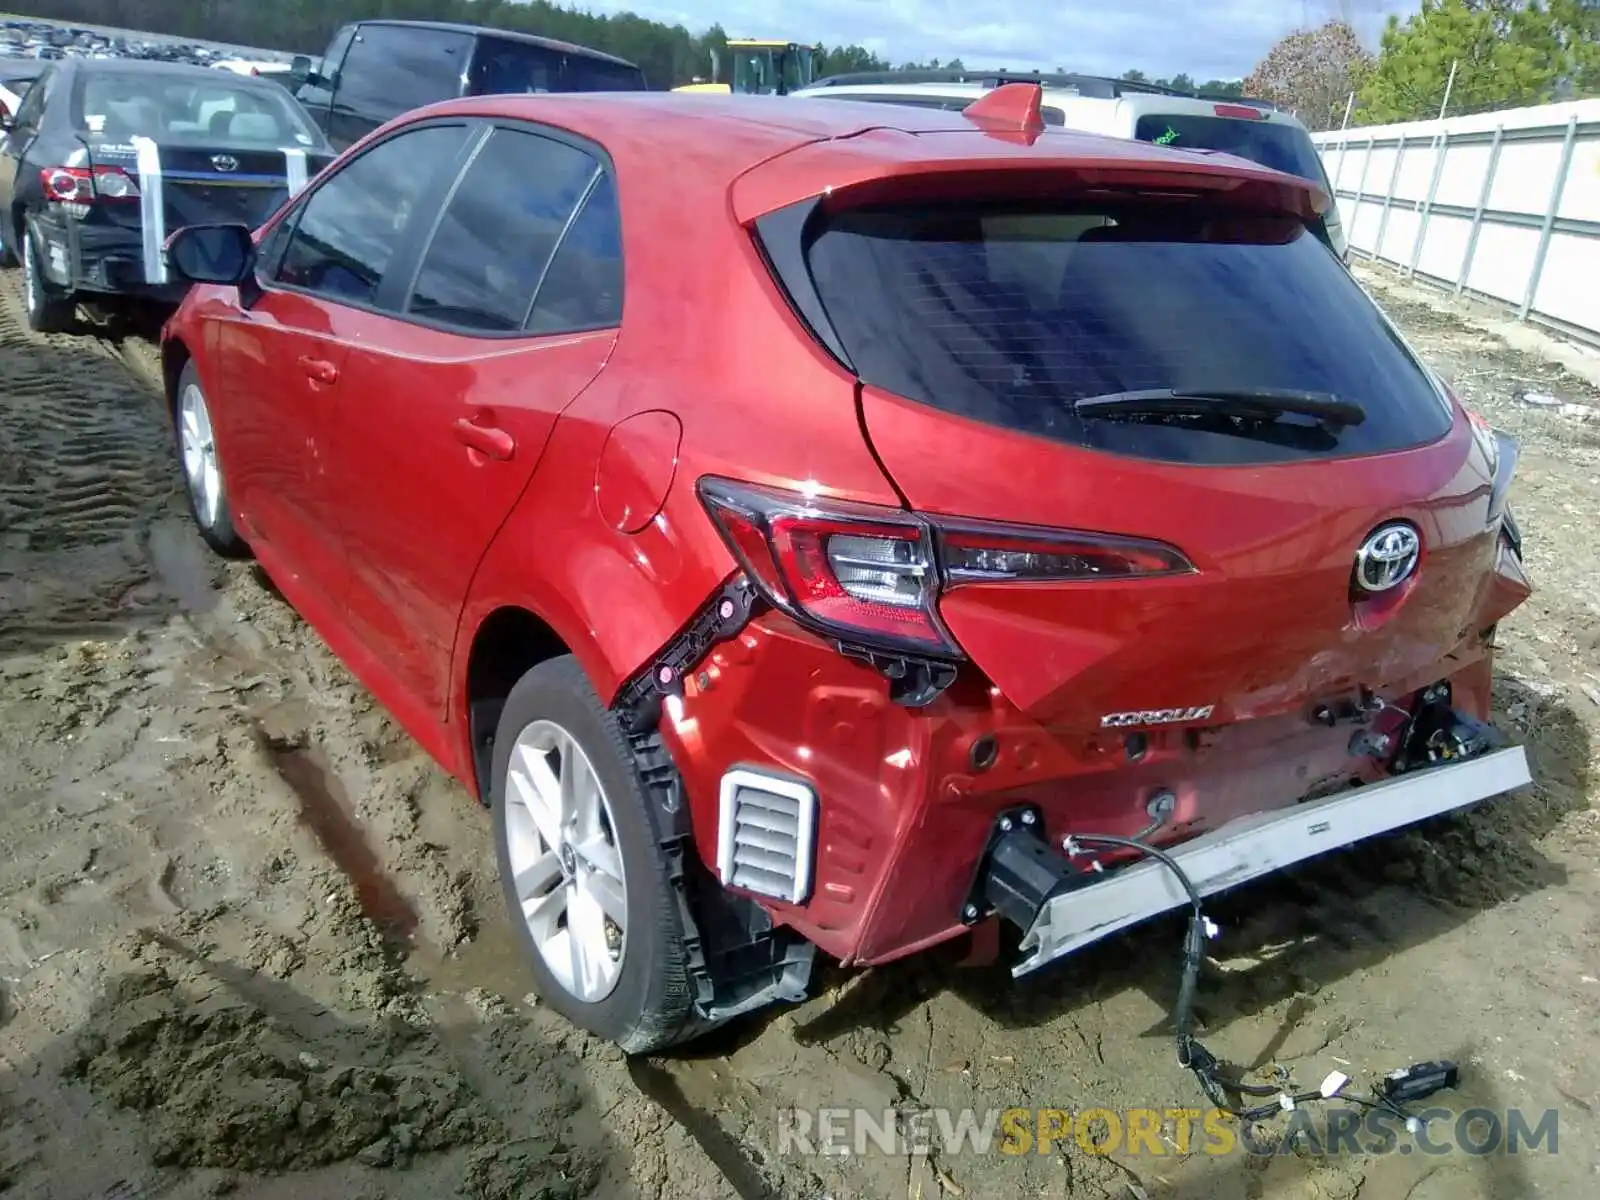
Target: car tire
<point>633,988</point>
<point>204,484</point>
<point>8,252</point>
<point>48,309</point>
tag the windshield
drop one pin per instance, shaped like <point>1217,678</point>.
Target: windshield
<point>123,104</point>
<point>516,68</point>
<point>1007,313</point>
<point>769,69</point>
<point>1281,147</point>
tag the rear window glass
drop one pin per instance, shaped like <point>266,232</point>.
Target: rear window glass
<point>1281,147</point>
<point>1051,116</point>
<point>123,104</point>
<point>1007,314</point>
<point>517,68</point>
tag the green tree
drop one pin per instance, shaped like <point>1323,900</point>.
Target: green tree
<point>1312,72</point>
<point>1506,53</point>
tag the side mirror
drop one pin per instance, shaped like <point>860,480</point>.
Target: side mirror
<point>211,254</point>
<point>301,72</point>
<point>8,120</point>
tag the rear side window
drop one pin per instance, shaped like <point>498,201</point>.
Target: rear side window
<point>499,231</point>
<point>583,287</point>
<point>516,68</point>
<point>1007,314</point>
<point>1281,147</point>
<point>35,98</point>
<point>390,69</point>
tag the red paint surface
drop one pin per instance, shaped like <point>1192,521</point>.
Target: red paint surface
<point>397,537</point>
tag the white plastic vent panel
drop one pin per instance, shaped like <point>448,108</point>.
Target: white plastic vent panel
<point>766,834</point>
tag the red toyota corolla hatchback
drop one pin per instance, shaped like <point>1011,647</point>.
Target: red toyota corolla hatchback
<point>844,527</point>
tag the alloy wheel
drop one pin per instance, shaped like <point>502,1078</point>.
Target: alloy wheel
<point>200,469</point>
<point>569,879</point>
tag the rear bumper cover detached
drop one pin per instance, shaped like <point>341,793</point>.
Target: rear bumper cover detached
<point>1086,908</point>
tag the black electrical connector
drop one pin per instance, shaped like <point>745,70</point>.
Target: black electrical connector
<point>1419,1081</point>
<point>1399,1088</point>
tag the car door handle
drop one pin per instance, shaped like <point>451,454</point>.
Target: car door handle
<point>319,369</point>
<point>485,439</point>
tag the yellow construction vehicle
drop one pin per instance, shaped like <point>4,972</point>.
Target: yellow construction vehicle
<point>762,67</point>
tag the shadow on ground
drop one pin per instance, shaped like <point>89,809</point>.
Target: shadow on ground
<point>194,1076</point>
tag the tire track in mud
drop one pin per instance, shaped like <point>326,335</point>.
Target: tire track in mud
<point>88,543</point>
<point>85,467</point>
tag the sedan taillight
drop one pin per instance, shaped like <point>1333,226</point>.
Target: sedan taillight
<point>872,574</point>
<point>85,185</point>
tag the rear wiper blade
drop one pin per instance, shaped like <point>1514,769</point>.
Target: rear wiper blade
<point>1260,403</point>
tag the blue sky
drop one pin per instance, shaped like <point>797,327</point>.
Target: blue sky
<point>1210,39</point>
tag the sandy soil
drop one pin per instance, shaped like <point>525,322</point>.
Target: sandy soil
<point>250,942</point>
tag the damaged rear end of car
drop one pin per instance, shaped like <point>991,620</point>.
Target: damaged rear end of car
<point>1193,556</point>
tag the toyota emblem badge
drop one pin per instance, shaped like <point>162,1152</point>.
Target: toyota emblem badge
<point>1388,557</point>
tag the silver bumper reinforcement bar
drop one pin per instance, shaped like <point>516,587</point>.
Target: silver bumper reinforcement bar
<point>1253,846</point>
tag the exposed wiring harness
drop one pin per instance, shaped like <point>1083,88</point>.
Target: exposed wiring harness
<point>1411,1083</point>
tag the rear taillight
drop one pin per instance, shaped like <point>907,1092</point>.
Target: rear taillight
<point>1242,111</point>
<point>85,185</point>
<point>854,571</point>
<point>870,574</point>
<point>993,554</point>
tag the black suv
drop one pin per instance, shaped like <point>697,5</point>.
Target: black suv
<point>375,70</point>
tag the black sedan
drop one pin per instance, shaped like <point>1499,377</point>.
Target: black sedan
<point>106,157</point>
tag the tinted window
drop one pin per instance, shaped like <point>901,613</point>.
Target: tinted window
<point>391,69</point>
<point>583,287</point>
<point>328,68</point>
<point>1008,314</point>
<point>1052,116</point>
<point>33,100</point>
<point>120,104</point>
<point>352,224</point>
<point>1281,147</point>
<point>514,68</point>
<point>498,231</point>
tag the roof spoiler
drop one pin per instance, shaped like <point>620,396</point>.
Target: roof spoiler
<point>1010,108</point>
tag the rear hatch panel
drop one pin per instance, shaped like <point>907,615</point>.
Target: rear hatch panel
<point>973,330</point>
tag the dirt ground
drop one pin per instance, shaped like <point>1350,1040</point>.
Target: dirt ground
<point>250,942</point>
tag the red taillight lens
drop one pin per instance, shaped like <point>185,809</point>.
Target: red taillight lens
<point>83,185</point>
<point>853,571</point>
<point>874,575</point>
<point>1242,111</point>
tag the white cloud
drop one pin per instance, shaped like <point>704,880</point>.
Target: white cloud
<point>1208,39</point>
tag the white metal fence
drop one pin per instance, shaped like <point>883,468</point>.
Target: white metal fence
<point>1502,205</point>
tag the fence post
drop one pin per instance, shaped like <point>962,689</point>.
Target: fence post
<point>1483,203</point>
<point>1550,213</point>
<point>1361,188</point>
<point>1388,196</point>
<point>1442,149</point>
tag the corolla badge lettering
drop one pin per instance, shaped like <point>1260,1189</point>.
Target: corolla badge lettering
<point>1156,716</point>
<point>1388,557</point>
